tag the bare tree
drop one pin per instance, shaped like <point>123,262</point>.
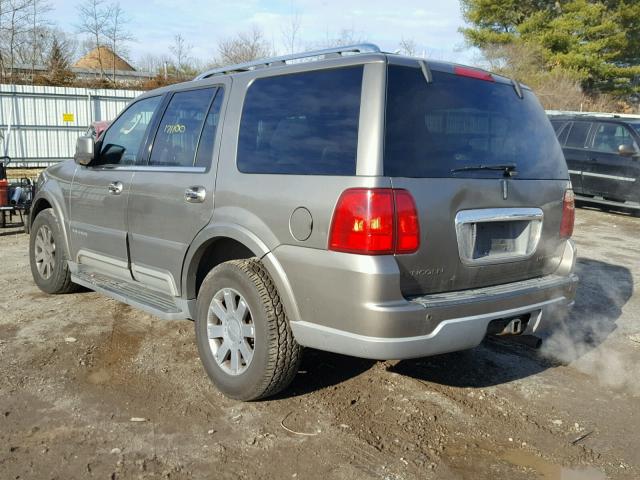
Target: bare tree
<point>23,34</point>
<point>408,47</point>
<point>14,28</point>
<point>181,52</point>
<point>290,32</point>
<point>244,47</point>
<point>117,34</point>
<point>39,9</point>
<point>94,16</point>
<point>153,63</point>
<point>346,36</point>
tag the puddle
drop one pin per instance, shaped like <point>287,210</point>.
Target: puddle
<point>551,471</point>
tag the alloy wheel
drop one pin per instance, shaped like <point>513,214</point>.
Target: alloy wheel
<point>231,331</point>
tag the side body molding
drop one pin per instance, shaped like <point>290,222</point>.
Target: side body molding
<point>253,243</point>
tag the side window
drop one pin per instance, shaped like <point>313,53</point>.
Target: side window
<point>564,133</point>
<point>208,137</point>
<point>120,144</point>
<point>304,124</point>
<point>179,130</point>
<point>578,134</point>
<point>557,125</point>
<point>609,136</point>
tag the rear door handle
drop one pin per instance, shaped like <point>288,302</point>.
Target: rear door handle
<point>195,194</point>
<point>115,188</point>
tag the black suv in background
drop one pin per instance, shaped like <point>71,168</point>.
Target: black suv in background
<point>603,156</point>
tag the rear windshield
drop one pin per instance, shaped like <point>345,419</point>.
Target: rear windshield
<point>456,122</point>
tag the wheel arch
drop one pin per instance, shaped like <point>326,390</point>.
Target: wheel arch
<point>220,243</point>
<point>43,201</point>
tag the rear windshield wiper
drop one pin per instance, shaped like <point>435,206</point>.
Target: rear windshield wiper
<point>509,169</point>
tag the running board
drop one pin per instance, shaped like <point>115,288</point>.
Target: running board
<point>610,203</point>
<point>132,293</point>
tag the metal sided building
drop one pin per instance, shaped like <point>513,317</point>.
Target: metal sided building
<point>39,125</point>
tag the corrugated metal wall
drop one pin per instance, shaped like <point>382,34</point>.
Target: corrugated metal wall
<point>42,123</point>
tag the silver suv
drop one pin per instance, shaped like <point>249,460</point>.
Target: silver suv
<point>347,200</point>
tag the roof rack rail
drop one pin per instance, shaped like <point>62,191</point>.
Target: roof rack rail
<point>282,60</point>
<point>593,114</point>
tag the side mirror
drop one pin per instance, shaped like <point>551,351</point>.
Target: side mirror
<point>85,150</point>
<point>627,150</point>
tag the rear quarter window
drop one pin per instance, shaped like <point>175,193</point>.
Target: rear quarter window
<point>578,134</point>
<point>455,121</point>
<point>304,123</point>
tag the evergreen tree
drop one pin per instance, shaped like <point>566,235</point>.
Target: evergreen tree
<point>596,42</point>
<point>59,71</point>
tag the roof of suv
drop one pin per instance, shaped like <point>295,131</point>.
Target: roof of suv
<point>592,116</point>
<point>312,60</point>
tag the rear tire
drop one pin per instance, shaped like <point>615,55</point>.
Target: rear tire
<point>243,335</point>
<point>48,256</point>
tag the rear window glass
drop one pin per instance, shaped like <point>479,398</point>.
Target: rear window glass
<point>456,122</point>
<point>179,131</point>
<point>578,134</point>
<point>305,123</point>
<point>209,130</point>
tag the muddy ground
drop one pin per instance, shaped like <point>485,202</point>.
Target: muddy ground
<point>76,369</point>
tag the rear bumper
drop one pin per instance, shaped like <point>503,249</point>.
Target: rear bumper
<point>352,304</point>
<point>449,336</point>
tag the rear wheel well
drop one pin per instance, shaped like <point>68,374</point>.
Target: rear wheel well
<point>209,255</point>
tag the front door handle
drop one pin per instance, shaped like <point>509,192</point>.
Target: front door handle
<point>195,194</point>
<point>115,188</point>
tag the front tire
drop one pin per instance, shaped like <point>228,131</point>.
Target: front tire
<point>47,255</point>
<point>243,335</point>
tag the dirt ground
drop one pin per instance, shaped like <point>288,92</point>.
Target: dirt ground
<point>91,388</point>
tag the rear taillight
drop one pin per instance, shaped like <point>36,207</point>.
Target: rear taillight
<point>568,214</point>
<point>407,225</point>
<point>375,221</point>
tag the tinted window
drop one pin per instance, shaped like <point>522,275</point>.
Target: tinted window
<point>122,141</point>
<point>455,122</point>
<point>558,124</point>
<point>208,137</point>
<point>578,134</point>
<point>609,136</point>
<point>564,133</point>
<point>179,130</point>
<point>304,123</point>
<point>636,126</point>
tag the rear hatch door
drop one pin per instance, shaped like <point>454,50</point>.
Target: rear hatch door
<point>483,164</point>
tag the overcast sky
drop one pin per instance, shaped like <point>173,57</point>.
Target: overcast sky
<point>432,25</point>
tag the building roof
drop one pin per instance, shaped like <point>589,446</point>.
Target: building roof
<point>92,60</point>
